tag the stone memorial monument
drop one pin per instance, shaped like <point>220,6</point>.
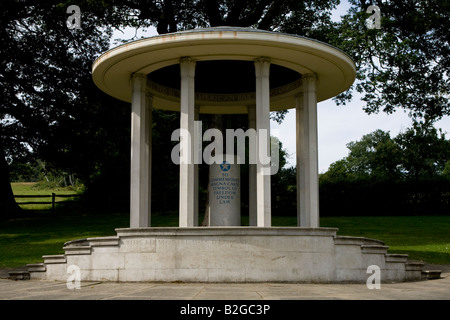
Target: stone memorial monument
<point>224,194</point>
<point>225,70</point>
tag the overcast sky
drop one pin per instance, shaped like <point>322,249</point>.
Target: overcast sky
<point>337,125</point>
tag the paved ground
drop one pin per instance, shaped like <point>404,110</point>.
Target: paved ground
<point>438,289</point>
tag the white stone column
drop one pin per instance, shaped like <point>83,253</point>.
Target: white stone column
<point>187,169</point>
<point>263,203</point>
<point>252,171</point>
<point>307,154</point>
<point>197,140</point>
<point>141,137</point>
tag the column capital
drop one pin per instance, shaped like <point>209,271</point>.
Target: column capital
<point>309,81</point>
<point>187,67</point>
<point>186,59</point>
<point>309,77</point>
<point>262,67</point>
<point>262,60</point>
<point>139,82</point>
<point>138,76</point>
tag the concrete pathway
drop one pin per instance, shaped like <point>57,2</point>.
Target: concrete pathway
<point>438,289</point>
<point>223,301</point>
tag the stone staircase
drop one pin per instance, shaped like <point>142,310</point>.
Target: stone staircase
<point>71,248</point>
<point>374,252</point>
<point>353,255</point>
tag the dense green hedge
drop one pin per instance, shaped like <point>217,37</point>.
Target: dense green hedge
<point>365,197</point>
<point>369,198</point>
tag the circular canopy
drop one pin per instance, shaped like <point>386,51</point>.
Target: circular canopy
<point>225,75</point>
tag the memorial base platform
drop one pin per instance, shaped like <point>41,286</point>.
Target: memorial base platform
<point>227,254</point>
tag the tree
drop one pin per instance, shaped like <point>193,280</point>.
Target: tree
<point>45,78</point>
<point>7,201</point>
<point>375,156</point>
<point>406,63</point>
<point>407,174</point>
<point>424,151</point>
<point>446,171</point>
<point>48,97</point>
<point>172,16</point>
<point>418,153</point>
<point>284,191</point>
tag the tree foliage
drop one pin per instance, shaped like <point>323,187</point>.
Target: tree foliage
<point>425,151</point>
<point>406,174</point>
<point>172,16</point>
<point>51,110</point>
<point>405,64</point>
<point>420,152</point>
<point>46,91</point>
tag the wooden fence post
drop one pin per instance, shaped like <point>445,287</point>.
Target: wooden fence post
<point>53,202</point>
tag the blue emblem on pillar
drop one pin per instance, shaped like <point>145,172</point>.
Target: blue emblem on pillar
<point>225,166</point>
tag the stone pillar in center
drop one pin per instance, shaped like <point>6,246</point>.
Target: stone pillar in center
<point>225,194</point>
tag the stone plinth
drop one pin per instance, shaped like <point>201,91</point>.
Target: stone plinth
<point>224,194</point>
<point>226,254</point>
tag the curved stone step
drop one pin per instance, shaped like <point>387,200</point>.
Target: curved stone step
<point>76,250</point>
<point>431,274</point>
<point>349,240</point>
<point>98,241</point>
<point>76,243</point>
<point>51,259</point>
<point>374,249</point>
<point>412,265</point>
<point>394,257</point>
<point>36,267</point>
<point>413,270</point>
<point>19,275</point>
<point>103,241</point>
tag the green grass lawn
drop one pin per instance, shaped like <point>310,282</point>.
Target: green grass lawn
<point>25,240</point>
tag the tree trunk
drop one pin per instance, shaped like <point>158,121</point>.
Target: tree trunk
<point>8,205</point>
<point>205,222</point>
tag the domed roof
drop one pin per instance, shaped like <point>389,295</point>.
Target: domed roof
<point>225,77</point>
